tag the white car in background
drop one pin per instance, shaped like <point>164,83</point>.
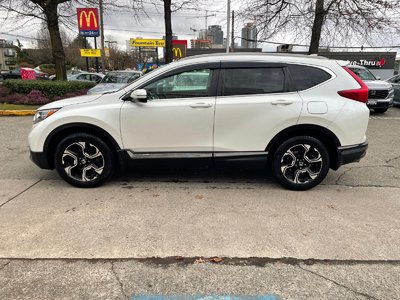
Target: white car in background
<point>297,114</point>
<point>114,81</point>
<point>86,76</point>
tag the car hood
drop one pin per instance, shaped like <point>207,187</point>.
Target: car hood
<point>106,88</point>
<point>71,101</point>
<point>378,84</point>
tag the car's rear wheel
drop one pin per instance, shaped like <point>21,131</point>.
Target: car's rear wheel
<point>380,110</point>
<point>300,163</point>
<point>83,160</point>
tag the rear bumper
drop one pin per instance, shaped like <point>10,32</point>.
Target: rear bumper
<point>349,154</point>
<point>40,159</point>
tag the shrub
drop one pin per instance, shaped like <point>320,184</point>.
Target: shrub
<point>4,92</point>
<point>72,94</point>
<point>48,68</point>
<point>34,97</point>
<point>49,88</point>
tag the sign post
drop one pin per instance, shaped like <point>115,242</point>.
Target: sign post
<point>88,24</point>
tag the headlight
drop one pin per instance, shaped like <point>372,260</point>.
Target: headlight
<point>43,114</point>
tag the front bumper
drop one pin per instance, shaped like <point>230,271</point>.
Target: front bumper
<point>40,159</point>
<point>349,154</point>
<point>380,103</point>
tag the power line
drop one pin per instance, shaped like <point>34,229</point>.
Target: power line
<point>334,47</point>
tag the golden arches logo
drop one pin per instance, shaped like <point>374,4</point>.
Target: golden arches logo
<point>177,52</point>
<point>88,17</point>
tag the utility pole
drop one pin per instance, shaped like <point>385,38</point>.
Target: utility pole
<point>103,58</point>
<point>233,32</point>
<point>228,17</point>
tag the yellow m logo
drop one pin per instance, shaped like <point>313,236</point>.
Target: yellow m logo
<point>88,17</point>
<point>177,52</point>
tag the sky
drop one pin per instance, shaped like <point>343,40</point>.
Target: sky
<point>186,23</point>
<point>121,26</point>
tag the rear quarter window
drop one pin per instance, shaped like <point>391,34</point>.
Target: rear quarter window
<point>305,77</point>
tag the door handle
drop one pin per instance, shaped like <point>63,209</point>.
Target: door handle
<point>200,105</point>
<point>282,102</point>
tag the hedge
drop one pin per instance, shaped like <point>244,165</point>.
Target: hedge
<point>49,88</point>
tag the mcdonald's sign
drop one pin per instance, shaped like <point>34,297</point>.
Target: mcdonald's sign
<point>88,22</point>
<point>178,51</point>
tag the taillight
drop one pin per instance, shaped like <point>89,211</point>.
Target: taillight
<point>360,94</point>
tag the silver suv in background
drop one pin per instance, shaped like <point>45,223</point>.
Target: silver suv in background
<point>381,93</point>
<point>395,82</point>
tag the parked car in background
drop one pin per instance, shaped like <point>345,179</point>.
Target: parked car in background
<point>395,82</point>
<point>69,73</point>
<point>114,81</point>
<point>381,93</point>
<point>16,74</point>
<point>86,76</point>
<point>299,115</point>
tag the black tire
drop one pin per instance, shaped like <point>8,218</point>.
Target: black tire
<point>308,169</point>
<point>380,110</point>
<point>84,160</point>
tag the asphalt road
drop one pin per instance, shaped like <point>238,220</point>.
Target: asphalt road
<point>153,232</point>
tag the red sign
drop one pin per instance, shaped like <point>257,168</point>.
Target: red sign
<point>88,21</point>
<point>27,74</point>
<point>180,42</point>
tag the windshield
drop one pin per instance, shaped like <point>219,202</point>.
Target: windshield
<point>120,77</point>
<point>364,74</point>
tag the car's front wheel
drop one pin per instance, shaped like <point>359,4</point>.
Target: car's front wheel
<point>84,160</point>
<point>300,163</point>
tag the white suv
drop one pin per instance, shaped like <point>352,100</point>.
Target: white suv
<point>300,115</point>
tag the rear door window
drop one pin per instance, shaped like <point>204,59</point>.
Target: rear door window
<point>305,77</point>
<point>245,81</point>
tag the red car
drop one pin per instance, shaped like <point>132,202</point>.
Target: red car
<point>16,74</point>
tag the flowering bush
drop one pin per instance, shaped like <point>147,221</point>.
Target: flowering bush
<point>4,92</point>
<point>37,92</point>
<point>34,97</point>
<point>72,94</point>
<point>49,88</point>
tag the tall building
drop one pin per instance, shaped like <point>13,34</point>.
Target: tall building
<point>203,34</point>
<point>215,35</point>
<point>200,44</point>
<point>249,36</point>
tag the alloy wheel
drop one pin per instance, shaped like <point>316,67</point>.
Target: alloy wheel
<point>301,164</point>
<point>83,161</point>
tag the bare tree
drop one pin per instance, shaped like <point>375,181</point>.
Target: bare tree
<point>54,13</point>
<point>170,7</point>
<point>328,20</point>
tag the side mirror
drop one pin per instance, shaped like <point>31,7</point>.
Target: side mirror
<point>137,95</point>
<point>378,78</point>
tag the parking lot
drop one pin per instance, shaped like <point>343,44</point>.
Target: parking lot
<point>156,231</point>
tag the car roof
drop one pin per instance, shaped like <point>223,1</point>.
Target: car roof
<point>257,57</point>
<point>124,71</point>
<point>90,73</point>
<point>356,67</point>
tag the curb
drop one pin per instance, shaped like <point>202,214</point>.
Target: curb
<point>8,112</point>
